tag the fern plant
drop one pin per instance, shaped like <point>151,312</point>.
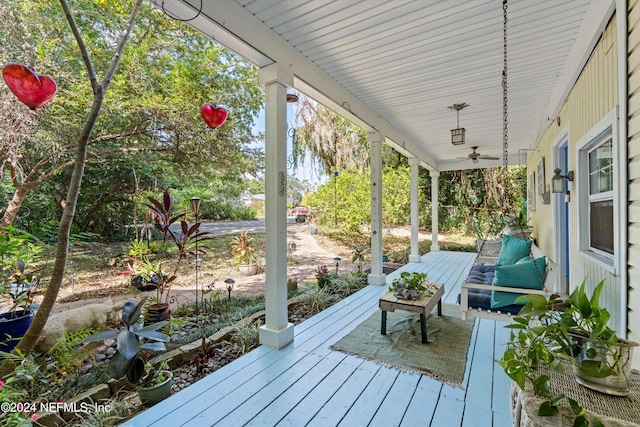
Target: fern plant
<point>67,353</point>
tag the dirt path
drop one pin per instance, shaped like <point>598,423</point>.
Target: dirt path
<point>307,252</point>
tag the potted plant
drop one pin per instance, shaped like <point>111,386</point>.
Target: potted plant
<point>410,285</point>
<point>184,237</point>
<point>17,285</point>
<point>132,340</point>
<point>518,225</point>
<point>156,384</point>
<point>243,253</point>
<point>547,331</point>
<point>146,274</point>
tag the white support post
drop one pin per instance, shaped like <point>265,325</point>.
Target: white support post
<point>376,277</point>
<point>434,210</point>
<point>414,162</point>
<point>277,332</point>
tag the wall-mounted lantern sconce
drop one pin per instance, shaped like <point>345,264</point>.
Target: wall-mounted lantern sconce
<point>557,182</point>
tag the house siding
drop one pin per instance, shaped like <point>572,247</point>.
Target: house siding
<point>594,95</point>
<point>633,153</point>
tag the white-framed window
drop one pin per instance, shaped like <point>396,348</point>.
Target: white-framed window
<point>600,195</point>
<point>598,192</point>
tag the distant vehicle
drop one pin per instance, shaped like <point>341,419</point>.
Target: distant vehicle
<point>300,210</point>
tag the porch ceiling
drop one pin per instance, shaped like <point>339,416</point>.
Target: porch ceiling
<point>397,65</point>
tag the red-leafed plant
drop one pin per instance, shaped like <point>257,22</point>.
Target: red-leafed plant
<point>182,235</point>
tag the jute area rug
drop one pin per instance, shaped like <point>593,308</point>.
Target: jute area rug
<point>444,357</point>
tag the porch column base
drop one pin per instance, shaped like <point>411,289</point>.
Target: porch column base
<point>414,258</point>
<point>377,279</point>
<point>435,248</point>
<point>276,339</point>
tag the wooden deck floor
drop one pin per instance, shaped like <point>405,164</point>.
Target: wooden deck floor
<point>307,383</point>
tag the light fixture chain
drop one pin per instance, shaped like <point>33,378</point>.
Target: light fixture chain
<point>505,125</point>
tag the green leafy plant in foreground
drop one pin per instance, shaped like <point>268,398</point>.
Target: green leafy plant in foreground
<point>127,361</point>
<point>547,331</point>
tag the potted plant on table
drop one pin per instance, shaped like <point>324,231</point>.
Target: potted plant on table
<point>548,331</point>
<point>133,341</point>
<point>410,285</point>
<point>244,253</point>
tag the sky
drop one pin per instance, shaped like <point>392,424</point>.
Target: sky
<point>304,172</point>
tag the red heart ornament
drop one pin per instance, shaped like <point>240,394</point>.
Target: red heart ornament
<point>29,87</point>
<point>213,115</point>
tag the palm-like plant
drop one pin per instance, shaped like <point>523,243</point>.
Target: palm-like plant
<point>359,255</point>
<point>242,248</point>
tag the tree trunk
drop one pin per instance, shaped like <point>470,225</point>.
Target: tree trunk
<point>57,276</point>
<point>14,206</point>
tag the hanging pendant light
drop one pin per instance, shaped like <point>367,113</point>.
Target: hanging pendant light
<point>457,134</point>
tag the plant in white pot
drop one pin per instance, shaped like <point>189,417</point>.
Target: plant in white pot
<point>244,253</point>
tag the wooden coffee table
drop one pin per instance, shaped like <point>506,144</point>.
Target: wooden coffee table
<point>423,305</point>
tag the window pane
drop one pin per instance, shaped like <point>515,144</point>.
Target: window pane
<point>601,168</point>
<point>601,226</point>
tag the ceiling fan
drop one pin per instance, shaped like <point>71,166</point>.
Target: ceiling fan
<point>475,156</point>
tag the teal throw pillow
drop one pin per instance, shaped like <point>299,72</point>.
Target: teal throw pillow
<point>512,250</point>
<point>522,275</point>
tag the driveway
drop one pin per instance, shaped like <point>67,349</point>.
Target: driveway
<point>223,228</point>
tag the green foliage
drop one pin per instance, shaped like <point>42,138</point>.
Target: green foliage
<point>410,280</point>
<point>120,409</point>
<point>76,382</point>
<point>151,122</point>
<point>25,384</point>
<point>396,199</point>
<point>17,283</point>
<point>242,249</point>
<point>67,353</point>
<point>138,248</point>
<point>245,337</point>
<point>359,253</point>
<point>545,331</point>
<point>131,342</point>
<point>319,299</point>
<point>344,285</point>
<point>343,201</point>
<point>218,210</point>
